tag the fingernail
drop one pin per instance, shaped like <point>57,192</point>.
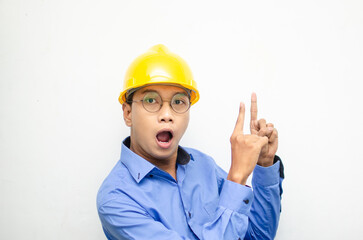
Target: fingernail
<point>270,128</point>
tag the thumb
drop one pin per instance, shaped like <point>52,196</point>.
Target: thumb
<point>263,141</point>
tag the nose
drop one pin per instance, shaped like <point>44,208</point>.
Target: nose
<point>166,113</point>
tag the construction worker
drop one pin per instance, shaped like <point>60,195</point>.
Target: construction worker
<point>160,190</point>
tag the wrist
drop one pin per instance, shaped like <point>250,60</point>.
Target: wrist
<point>266,161</point>
<point>237,178</point>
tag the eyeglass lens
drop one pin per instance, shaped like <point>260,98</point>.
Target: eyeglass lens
<point>152,102</point>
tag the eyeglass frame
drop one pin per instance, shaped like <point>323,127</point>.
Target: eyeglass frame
<point>129,101</point>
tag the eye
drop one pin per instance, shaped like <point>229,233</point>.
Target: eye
<point>179,101</point>
<point>150,100</point>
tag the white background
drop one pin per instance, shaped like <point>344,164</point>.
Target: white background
<point>61,69</point>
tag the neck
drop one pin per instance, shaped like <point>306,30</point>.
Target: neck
<point>170,167</point>
<point>167,164</point>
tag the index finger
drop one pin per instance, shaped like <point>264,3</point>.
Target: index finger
<point>253,107</point>
<point>240,120</point>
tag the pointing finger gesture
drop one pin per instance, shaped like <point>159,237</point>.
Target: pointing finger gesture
<point>245,150</point>
<point>238,129</point>
<point>260,128</point>
<point>254,124</point>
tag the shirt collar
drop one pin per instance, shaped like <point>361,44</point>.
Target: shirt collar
<point>140,167</point>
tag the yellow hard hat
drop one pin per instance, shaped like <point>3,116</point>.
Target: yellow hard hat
<point>159,66</point>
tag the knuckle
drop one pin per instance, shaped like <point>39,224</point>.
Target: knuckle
<point>261,134</point>
<point>263,130</point>
<point>239,138</point>
<point>262,120</point>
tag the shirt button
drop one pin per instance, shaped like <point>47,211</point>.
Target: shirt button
<point>189,214</point>
<point>151,175</point>
<point>246,201</point>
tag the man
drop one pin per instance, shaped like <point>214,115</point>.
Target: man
<point>160,190</point>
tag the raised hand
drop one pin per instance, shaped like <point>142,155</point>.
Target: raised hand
<point>260,128</point>
<point>246,150</point>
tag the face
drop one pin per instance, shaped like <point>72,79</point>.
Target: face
<point>155,136</point>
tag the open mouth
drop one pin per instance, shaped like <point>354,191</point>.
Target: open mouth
<point>164,136</point>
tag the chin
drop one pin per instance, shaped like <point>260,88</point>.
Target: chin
<point>162,153</point>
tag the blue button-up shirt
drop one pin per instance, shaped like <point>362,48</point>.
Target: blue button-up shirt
<point>140,201</point>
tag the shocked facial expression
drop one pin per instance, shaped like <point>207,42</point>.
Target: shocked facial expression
<point>155,136</point>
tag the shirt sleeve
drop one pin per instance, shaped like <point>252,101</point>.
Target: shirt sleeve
<point>265,210</point>
<point>253,215</point>
<point>231,218</point>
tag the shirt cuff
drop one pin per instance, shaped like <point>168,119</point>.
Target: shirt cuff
<point>266,176</point>
<point>236,197</point>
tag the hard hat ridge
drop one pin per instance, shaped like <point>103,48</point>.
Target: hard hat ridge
<point>159,48</point>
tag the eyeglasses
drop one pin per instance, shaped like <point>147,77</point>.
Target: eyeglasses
<point>152,102</point>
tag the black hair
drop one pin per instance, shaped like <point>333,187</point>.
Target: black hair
<point>129,98</point>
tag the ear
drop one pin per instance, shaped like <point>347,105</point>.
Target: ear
<point>127,114</point>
